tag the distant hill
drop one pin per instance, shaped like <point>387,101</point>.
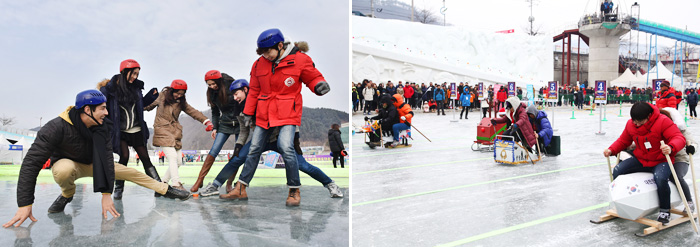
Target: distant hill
<point>315,123</point>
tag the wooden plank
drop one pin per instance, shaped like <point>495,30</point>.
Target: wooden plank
<point>670,224</point>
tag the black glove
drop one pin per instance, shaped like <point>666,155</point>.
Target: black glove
<point>493,122</point>
<point>297,144</point>
<point>322,88</point>
<point>237,150</point>
<point>690,150</point>
<point>366,119</point>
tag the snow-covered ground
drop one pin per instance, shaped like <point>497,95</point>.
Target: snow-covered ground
<point>399,50</point>
<point>441,192</point>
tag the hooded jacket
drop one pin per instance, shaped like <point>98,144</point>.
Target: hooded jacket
<point>167,131</point>
<point>108,88</point>
<point>541,124</point>
<point>275,88</point>
<point>667,99</point>
<point>656,129</point>
<point>334,141</point>
<point>60,139</point>
<point>389,115</point>
<point>518,116</point>
<point>403,109</point>
<point>466,98</point>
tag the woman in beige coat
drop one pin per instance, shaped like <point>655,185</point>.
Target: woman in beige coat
<point>167,131</point>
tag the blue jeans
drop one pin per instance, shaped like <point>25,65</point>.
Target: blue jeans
<point>219,142</point>
<point>662,172</point>
<point>285,145</point>
<point>398,128</point>
<point>232,166</point>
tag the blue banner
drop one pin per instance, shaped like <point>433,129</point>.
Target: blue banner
<point>530,94</point>
<point>601,92</point>
<point>511,89</point>
<point>16,147</point>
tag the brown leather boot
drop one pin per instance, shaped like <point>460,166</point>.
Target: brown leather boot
<point>238,192</point>
<point>203,173</point>
<point>229,188</point>
<point>294,197</point>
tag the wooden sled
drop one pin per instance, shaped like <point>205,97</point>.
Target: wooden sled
<point>654,226</point>
<point>508,151</point>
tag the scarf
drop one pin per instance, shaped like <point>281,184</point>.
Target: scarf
<point>102,168</point>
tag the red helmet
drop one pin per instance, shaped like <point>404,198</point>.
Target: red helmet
<point>212,75</point>
<point>178,85</point>
<point>128,64</point>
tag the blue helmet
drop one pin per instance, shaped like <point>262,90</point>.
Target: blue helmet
<point>89,97</point>
<point>269,38</point>
<point>238,84</point>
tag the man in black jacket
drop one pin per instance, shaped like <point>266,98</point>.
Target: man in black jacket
<point>79,143</point>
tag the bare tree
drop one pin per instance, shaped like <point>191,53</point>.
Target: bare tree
<point>7,121</point>
<point>689,49</point>
<point>533,30</point>
<point>426,16</point>
<point>667,50</point>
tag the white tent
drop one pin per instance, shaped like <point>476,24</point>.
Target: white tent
<point>627,79</point>
<point>8,156</point>
<point>664,73</point>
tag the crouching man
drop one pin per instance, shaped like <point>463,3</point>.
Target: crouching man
<point>79,141</point>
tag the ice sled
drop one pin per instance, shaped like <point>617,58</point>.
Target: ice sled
<point>486,134</point>
<point>373,132</point>
<point>634,195</point>
<point>508,151</point>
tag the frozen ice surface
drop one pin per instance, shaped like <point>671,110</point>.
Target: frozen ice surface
<point>439,192</point>
<point>263,220</point>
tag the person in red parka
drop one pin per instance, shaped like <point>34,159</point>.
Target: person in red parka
<point>501,96</point>
<point>647,128</point>
<point>408,94</point>
<point>405,116</point>
<point>275,99</point>
<point>666,96</point>
<point>516,113</point>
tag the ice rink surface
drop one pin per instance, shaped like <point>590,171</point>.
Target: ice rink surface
<point>443,193</point>
<point>263,220</point>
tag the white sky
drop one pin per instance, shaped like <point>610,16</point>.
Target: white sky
<point>51,50</point>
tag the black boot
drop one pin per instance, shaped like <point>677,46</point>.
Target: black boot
<point>153,173</point>
<point>59,204</point>
<point>173,193</point>
<point>118,189</point>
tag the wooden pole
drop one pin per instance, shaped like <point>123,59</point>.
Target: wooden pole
<point>610,169</point>
<point>680,191</point>
<point>695,184</point>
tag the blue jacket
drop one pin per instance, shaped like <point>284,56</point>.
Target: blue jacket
<point>465,98</point>
<point>439,94</point>
<point>543,127</point>
<point>391,90</point>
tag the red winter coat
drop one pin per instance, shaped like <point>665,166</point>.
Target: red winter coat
<point>275,94</point>
<point>520,118</point>
<point>658,128</point>
<point>667,99</point>
<point>408,92</point>
<point>501,95</point>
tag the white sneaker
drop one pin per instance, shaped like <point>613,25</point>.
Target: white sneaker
<point>691,205</point>
<point>334,190</point>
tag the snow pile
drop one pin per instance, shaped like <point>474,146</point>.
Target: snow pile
<point>425,53</point>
